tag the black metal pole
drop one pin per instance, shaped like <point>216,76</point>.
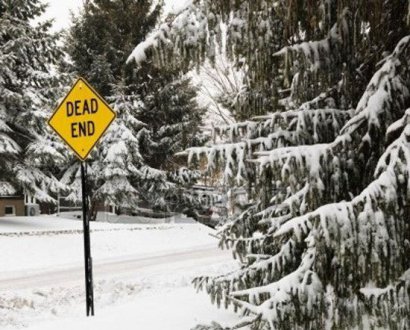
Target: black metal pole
<point>89,291</point>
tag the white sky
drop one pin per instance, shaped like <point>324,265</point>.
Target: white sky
<point>59,10</point>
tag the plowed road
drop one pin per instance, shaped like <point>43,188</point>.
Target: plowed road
<point>161,264</point>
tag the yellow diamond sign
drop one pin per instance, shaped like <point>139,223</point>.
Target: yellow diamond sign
<point>82,118</point>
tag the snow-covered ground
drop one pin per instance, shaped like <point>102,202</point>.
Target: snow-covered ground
<point>52,241</point>
<point>179,308</point>
<point>142,275</point>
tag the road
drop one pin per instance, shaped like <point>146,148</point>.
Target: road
<point>163,264</point>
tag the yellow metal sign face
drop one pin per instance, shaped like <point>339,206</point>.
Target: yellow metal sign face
<point>82,118</point>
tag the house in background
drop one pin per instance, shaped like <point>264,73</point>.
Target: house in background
<point>107,207</point>
<point>20,204</point>
<point>12,205</point>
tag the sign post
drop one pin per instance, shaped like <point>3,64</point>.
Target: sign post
<point>88,263</point>
<point>80,120</point>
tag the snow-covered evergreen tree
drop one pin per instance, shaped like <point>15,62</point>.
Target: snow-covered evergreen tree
<point>28,54</point>
<point>323,157</point>
<point>157,112</point>
<point>102,36</point>
<point>173,116</point>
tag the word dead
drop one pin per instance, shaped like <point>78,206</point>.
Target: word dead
<point>81,108</point>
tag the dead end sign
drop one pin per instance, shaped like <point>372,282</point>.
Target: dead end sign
<point>82,118</point>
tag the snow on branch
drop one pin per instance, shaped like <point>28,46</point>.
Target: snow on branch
<point>317,53</point>
<point>399,148</point>
<point>289,128</point>
<point>309,158</point>
<point>8,145</point>
<point>35,181</point>
<point>369,208</point>
<point>381,300</point>
<point>112,187</point>
<point>286,209</point>
<point>246,129</point>
<point>268,268</point>
<point>186,32</point>
<point>302,284</point>
<point>387,89</point>
<point>320,122</point>
<point>44,147</point>
<point>384,98</point>
<point>232,154</point>
<point>152,41</point>
<point>7,189</point>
